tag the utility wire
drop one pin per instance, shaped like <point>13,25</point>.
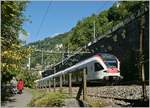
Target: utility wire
<point>42,21</point>
<point>97,12</point>
<point>101,8</point>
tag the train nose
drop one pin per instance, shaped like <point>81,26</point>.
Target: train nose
<point>112,70</point>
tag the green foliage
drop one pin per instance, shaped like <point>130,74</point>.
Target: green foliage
<point>28,77</point>
<point>82,33</point>
<point>12,61</point>
<point>133,6</point>
<point>13,54</point>
<point>48,100</point>
<point>97,102</point>
<point>50,45</point>
<point>12,19</point>
<point>117,13</point>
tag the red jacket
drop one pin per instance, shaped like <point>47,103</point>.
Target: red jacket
<point>20,85</point>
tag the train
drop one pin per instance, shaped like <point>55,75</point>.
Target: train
<point>47,72</point>
<point>100,67</point>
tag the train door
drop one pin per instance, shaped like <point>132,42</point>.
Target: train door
<point>90,70</point>
<point>98,70</point>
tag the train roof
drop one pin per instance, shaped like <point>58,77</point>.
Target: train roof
<point>77,66</point>
<point>106,55</point>
<point>103,55</point>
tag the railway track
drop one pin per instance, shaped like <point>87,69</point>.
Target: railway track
<point>132,101</point>
<point>126,102</point>
<point>107,83</point>
<point>123,93</point>
<point>118,91</point>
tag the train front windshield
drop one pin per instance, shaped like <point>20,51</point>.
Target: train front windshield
<point>109,60</point>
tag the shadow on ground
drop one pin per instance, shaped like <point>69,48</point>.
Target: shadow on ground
<point>82,103</point>
<point>136,103</point>
<point>6,95</point>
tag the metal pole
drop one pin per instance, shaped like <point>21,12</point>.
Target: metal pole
<point>84,85</point>
<point>45,85</point>
<point>39,85</point>
<point>142,57</point>
<point>42,58</point>
<point>62,58</point>
<point>49,85</point>
<point>70,85</point>
<point>68,51</point>
<point>62,55</point>
<point>29,62</point>
<point>54,83</point>
<point>42,85</point>
<point>60,83</point>
<point>36,85</point>
<point>94,29</point>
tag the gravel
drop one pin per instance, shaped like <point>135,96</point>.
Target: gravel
<point>116,95</point>
<point>122,92</point>
<point>71,103</point>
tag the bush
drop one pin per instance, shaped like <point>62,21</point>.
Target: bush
<point>50,99</point>
<point>28,77</point>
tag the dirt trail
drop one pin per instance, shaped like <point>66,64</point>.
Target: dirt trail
<point>19,100</point>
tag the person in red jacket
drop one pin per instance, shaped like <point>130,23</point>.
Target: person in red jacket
<point>20,86</point>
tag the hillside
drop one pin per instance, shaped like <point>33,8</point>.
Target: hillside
<point>82,33</point>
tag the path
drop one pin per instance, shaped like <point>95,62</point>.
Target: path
<point>19,100</point>
<point>74,103</point>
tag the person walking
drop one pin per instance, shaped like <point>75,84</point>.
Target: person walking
<point>20,86</point>
<point>13,85</point>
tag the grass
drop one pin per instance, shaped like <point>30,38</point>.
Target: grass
<point>36,93</point>
<point>47,99</point>
<point>56,99</point>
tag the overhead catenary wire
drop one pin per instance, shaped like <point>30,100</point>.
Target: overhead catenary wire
<point>43,19</point>
<point>80,48</point>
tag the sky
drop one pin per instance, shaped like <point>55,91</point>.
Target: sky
<point>50,18</point>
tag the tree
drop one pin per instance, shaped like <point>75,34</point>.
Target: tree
<point>13,53</point>
<point>133,6</point>
<point>82,33</point>
<point>117,13</point>
<point>13,60</point>
<point>12,19</point>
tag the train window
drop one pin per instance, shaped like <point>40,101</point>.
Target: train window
<point>111,63</point>
<point>107,57</point>
<point>98,67</point>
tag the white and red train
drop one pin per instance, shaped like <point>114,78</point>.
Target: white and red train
<point>102,66</point>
